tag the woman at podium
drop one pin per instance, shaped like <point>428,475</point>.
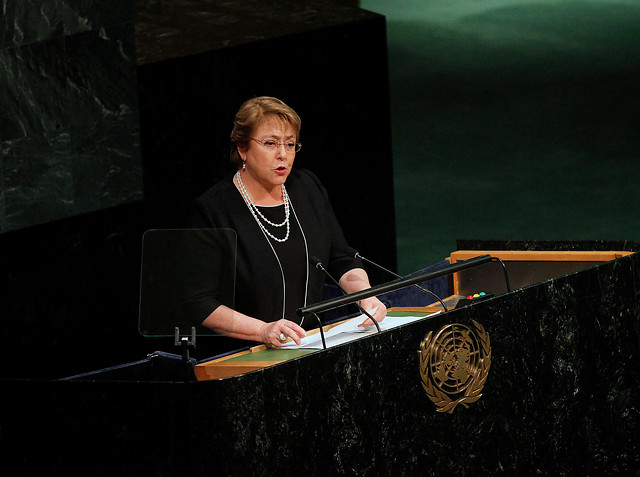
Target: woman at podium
<point>283,220</point>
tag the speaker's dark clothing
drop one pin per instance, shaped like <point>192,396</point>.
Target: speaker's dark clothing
<point>259,284</point>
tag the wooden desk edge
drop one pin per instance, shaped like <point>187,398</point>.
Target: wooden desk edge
<point>542,255</point>
<point>220,367</point>
<point>207,371</point>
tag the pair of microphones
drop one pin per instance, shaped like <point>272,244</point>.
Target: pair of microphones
<point>317,263</point>
<point>380,267</point>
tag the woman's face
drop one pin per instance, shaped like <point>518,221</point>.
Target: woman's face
<point>267,167</point>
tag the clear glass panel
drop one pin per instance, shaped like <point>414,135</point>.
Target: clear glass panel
<point>185,275</point>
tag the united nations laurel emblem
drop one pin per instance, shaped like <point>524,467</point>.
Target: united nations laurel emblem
<point>454,365</point>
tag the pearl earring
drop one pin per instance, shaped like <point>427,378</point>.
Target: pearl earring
<point>244,166</point>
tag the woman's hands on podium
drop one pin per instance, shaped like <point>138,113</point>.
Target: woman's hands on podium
<point>276,333</point>
<point>228,322</point>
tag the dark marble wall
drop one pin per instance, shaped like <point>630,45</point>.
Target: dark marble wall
<point>561,398</point>
<point>167,29</point>
<point>68,110</point>
<point>70,185</point>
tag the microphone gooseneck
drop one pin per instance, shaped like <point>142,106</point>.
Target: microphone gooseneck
<point>318,264</point>
<point>504,269</point>
<point>357,255</point>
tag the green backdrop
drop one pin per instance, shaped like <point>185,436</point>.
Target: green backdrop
<point>512,120</point>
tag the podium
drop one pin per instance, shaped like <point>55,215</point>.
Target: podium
<point>561,398</point>
<point>521,269</point>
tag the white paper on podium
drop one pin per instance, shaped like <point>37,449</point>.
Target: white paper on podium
<point>350,331</point>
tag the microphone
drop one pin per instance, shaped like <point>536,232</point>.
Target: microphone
<point>357,255</point>
<point>318,264</point>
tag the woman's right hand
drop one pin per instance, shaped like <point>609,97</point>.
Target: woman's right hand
<point>272,333</point>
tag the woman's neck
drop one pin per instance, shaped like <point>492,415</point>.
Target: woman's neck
<point>260,195</point>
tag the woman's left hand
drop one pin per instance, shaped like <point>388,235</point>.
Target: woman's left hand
<point>368,305</point>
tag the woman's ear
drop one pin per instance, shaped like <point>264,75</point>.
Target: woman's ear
<point>242,151</point>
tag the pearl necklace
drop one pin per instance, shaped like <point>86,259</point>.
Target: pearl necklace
<point>257,215</point>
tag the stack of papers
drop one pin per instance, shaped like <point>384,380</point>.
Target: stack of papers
<point>350,331</point>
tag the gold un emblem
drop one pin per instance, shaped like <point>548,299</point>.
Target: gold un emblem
<point>454,365</point>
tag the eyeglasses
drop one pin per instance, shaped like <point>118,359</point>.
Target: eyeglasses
<point>271,145</point>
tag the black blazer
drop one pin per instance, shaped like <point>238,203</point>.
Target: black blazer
<point>258,276</point>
